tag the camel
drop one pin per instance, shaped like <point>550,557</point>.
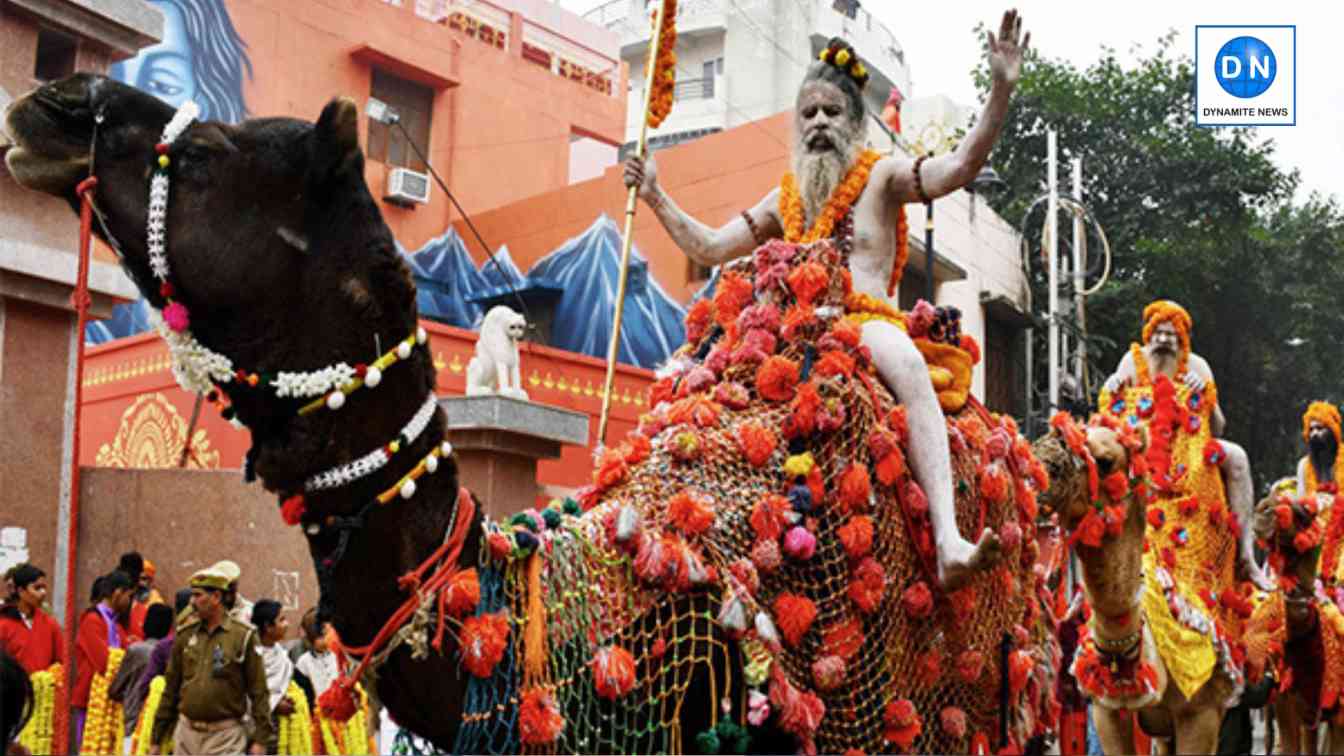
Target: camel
<point>272,240</point>
<point>1299,625</point>
<point>1114,583</point>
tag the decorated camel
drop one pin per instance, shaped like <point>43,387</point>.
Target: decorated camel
<point>1298,632</point>
<point>756,562</point>
<point>1126,532</point>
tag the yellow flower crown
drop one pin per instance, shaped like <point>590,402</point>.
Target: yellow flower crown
<point>843,57</point>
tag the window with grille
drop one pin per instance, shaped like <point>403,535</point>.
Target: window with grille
<point>414,103</point>
<point>55,55</point>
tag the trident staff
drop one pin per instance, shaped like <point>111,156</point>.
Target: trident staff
<point>659,79</point>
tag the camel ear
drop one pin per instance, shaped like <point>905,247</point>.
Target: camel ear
<point>336,137</point>
<point>211,136</point>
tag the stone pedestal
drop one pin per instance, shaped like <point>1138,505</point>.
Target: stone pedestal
<point>498,441</point>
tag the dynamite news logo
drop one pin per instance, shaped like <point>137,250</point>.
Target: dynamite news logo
<point>1246,75</point>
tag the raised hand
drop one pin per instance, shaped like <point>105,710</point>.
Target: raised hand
<point>1194,380</point>
<point>1006,50</point>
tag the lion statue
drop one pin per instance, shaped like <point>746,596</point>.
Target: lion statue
<point>494,369</point>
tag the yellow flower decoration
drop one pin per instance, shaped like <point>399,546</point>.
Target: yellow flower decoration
<point>842,58</point>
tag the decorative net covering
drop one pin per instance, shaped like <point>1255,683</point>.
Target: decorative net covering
<point>763,556</point>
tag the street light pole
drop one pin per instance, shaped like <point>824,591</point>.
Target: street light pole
<point>1052,262</point>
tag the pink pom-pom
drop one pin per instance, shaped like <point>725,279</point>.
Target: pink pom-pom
<point>799,543</point>
<point>175,315</point>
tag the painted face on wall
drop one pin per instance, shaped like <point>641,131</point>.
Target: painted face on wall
<point>165,70</point>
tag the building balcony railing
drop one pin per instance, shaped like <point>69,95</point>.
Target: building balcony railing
<point>694,89</point>
<point>495,26</point>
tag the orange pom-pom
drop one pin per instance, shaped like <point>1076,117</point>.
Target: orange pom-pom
<point>637,448</point>
<point>994,482</point>
<point>843,639</point>
<point>463,593</point>
<point>732,293</point>
<point>694,410</point>
<point>613,672</point>
<point>856,536</point>
<point>539,718</point>
<point>768,517</point>
<point>970,346</point>
<point>698,319</point>
<point>802,420</point>
<point>757,442</point>
<point>484,639</point>
<point>611,469</point>
<point>868,585</point>
<point>847,332</point>
<point>293,510</point>
<point>793,616</point>
<point>855,488</point>
<point>691,512</point>
<point>835,363</point>
<point>808,281</point>
<point>796,319</point>
<point>901,723</point>
<point>777,379</point>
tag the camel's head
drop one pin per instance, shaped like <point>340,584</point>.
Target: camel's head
<point>249,205</point>
<point>273,243</point>
<point>1065,451</point>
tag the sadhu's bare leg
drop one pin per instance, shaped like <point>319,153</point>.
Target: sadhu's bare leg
<point>902,368</point>
<point>1241,498</point>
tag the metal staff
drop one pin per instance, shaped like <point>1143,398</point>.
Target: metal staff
<point>628,239</point>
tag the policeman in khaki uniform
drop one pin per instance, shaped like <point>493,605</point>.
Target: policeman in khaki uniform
<point>215,672</point>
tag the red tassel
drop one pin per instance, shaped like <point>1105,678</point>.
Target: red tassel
<point>338,703</point>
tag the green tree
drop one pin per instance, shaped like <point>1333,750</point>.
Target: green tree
<point>1198,215</point>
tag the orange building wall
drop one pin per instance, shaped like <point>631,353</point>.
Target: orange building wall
<point>500,133</point>
<point>714,178</point>
<point>135,415</point>
<point>501,125</point>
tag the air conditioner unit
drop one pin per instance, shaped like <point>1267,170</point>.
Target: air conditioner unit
<point>406,187</point>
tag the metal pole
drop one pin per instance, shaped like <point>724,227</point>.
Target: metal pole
<point>928,252</point>
<point>631,203</point>
<point>1079,260</point>
<point>1052,263</point>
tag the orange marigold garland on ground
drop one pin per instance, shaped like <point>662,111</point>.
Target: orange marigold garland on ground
<point>664,69</point>
<point>842,199</point>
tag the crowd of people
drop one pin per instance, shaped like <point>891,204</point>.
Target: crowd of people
<point>228,665</point>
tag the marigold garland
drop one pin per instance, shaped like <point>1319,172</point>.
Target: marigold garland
<point>841,200</point>
<point>663,71</point>
<point>103,720</point>
<point>144,726</point>
<point>296,730</point>
<point>38,735</point>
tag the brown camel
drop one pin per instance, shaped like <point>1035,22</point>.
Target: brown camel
<point>279,251</point>
<point>1293,622</point>
<point>1112,577</point>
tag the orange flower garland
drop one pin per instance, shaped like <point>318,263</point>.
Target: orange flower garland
<point>664,69</point>
<point>842,198</point>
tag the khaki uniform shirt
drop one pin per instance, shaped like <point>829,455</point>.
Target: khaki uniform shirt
<point>213,675</point>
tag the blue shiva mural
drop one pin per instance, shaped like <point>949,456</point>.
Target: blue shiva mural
<point>201,58</point>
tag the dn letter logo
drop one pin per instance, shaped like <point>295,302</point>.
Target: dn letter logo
<point>1245,75</point>
<point>1245,67</point>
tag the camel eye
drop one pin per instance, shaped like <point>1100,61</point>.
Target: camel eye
<point>1105,465</point>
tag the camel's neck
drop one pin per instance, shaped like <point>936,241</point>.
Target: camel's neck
<point>1113,576</point>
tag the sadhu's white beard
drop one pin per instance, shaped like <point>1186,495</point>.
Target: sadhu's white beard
<point>818,173</point>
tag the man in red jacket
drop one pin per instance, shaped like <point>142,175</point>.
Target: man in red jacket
<point>27,633</point>
<point>102,627</point>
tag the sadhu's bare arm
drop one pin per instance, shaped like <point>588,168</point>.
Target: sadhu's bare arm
<point>702,244</point>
